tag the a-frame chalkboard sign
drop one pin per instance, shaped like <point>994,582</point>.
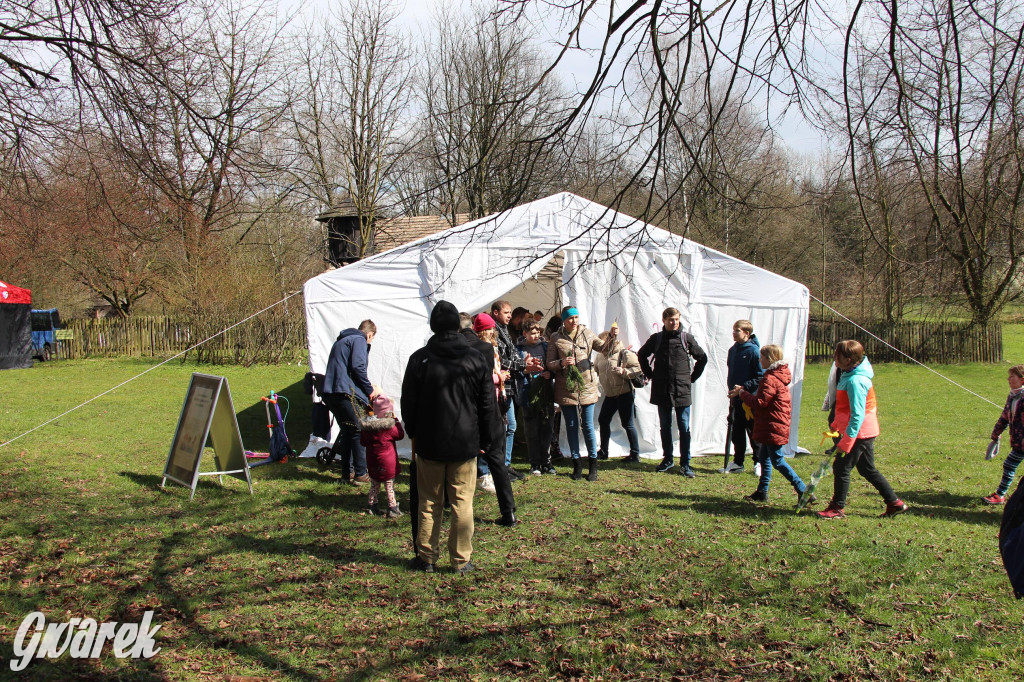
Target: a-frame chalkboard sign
<point>206,413</point>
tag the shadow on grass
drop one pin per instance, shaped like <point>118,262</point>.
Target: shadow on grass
<point>252,420</point>
<point>950,506</point>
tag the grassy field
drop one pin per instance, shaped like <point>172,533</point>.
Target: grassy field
<point>636,576</point>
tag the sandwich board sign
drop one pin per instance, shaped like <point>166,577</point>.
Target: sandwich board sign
<point>206,414</point>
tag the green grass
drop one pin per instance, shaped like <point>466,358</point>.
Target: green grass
<point>636,576</point>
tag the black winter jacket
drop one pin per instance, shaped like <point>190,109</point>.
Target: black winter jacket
<point>511,361</point>
<point>487,351</point>
<point>448,399</point>
<point>672,354</point>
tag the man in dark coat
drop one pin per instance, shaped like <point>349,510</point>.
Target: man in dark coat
<point>513,365</point>
<point>447,402</point>
<point>347,392</point>
<point>494,456</point>
<point>665,359</point>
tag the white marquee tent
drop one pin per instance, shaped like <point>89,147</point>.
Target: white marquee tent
<point>566,249</point>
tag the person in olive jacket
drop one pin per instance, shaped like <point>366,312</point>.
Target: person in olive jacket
<point>447,403</point>
<point>665,359</point>
<point>571,345</point>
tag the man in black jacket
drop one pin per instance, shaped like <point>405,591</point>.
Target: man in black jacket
<point>447,400</point>
<point>665,360</point>
<point>494,456</point>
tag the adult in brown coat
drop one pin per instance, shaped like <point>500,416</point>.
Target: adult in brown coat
<point>571,346</point>
<point>615,365</point>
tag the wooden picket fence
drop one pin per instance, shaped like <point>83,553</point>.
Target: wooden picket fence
<point>931,342</point>
<point>270,340</point>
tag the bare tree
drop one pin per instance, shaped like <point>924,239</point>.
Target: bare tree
<point>944,109</point>
<point>490,116</point>
<point>51,49</point>
<point>196,131</point>
<point>347,112</point>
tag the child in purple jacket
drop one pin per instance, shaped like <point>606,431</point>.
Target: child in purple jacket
<point>1012,416</point>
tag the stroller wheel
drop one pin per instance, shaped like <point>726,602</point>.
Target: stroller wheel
<point>325,456</point>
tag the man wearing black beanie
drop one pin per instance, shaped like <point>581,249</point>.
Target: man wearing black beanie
<point>447,400</point>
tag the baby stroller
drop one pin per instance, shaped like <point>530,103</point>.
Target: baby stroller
<point>280,447</point>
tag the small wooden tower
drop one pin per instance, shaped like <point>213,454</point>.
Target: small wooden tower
<point>344,238</point>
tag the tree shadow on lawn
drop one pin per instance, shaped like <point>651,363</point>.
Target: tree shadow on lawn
<point>941,504</point>
<point>252,420</point>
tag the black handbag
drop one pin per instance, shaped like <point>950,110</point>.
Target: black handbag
<point>636,378</point>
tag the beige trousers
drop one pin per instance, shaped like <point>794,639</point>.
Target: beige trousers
<point>459,479</point>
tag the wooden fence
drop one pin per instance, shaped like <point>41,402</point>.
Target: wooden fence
<point>268,340</point>
<point>934,342</point>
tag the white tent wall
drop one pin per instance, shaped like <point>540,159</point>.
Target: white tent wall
<point>615,268</point>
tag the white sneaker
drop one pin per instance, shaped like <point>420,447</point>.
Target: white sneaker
<point>485,483</point>
<point>734,468</point>
<point>757,470</point>
<point>535,472</point>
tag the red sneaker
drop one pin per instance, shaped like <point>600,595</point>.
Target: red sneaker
<point>994,498</point>
<point>897,507</point>
<point>831,512</point>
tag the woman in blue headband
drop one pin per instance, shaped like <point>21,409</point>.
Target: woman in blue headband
<point>576,390</point>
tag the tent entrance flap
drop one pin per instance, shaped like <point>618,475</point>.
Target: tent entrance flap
<point>542,292</point>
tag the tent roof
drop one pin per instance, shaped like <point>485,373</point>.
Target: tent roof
<point>12,294</point>
<point>538,231</point>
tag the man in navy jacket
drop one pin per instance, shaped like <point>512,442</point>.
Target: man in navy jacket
<point>347,391</point>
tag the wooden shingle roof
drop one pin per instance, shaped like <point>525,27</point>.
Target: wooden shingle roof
<point>394,232</point>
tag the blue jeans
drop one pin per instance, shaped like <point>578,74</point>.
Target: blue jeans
<point>510,431</point>
<point>683,424</point>
<point>1010,465</point>
<point>572,429</point>
<point>771,456</point>
<point>623,404</point>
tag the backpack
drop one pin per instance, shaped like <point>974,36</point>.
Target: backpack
<point>686,351</point>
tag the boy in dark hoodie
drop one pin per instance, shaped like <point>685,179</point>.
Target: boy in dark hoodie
<point>744,370</point>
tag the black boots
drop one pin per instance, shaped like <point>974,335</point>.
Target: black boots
<point>592,473</point>
<point>577,469</point>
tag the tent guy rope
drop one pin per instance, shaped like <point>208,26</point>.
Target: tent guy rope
<point>128,381</point>
<point>914,360</point>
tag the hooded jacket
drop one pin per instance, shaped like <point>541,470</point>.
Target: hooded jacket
<point>378,436</point>
<point>772,405</point>
<point>448,399</point>
<point>346,366</point>
<point>856,406</point>
<point>486,350</point>
<point>535,382</point>
<point>579,344</point>
<point>1012,416</point>
<point>612,383</point>
<point>670,373</point>
<point>744,364</point>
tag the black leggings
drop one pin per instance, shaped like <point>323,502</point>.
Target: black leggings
<point>861,456</point>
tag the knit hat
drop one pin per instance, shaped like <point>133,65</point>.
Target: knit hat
<point>482,322</point>
<point>444,318</point>
<point>382,405</point>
